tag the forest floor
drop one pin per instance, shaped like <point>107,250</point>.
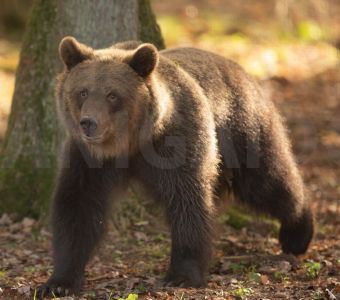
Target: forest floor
<point>305,85</point>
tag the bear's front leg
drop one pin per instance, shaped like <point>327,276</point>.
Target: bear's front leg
<point>189,214</point>
<point>79,209</point>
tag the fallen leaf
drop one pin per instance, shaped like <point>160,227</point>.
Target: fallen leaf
<point>264,279</point>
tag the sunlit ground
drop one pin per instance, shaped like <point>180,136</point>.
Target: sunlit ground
<point>295,55</point>
<point>9,54</point>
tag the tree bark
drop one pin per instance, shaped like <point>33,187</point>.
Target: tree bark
<point>29,155</point>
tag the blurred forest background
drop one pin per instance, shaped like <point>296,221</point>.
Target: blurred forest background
<point>294,40</point>
<point>292,47</point>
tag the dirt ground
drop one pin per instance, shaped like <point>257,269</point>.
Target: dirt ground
<point>248,264</point>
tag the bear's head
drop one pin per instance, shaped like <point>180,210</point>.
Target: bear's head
<point>105,96</point>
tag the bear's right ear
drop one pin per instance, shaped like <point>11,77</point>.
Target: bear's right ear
<point>72,52</point>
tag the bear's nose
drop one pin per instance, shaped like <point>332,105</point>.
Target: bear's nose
<point>89,125</point>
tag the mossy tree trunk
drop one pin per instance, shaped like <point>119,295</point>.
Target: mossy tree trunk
<point>29,156</point>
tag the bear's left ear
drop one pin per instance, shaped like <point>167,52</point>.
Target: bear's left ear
<point>144,60</point>
<point>72,52</point>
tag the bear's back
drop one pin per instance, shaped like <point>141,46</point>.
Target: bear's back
<point>227,86</point>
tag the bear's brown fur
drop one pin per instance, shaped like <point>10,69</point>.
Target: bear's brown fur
<point>184,122</point>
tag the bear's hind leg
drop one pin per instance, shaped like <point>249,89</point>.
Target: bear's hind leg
<point>295,236</point>
<point>270,182</point>
<point>281,196</point>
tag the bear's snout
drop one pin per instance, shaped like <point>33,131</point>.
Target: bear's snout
<point>88,125</point>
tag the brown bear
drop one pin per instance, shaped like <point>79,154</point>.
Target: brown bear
<point>187,124</point>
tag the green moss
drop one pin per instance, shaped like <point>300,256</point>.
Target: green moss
<point>25,189</point>
<point>149,29</point>
<point>239,217</point>
<point>235,218</point>
<point>41,22</point>
<point>28,158</point>
<point>35,49</point>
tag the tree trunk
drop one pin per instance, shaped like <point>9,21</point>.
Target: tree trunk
<point>29,155</point>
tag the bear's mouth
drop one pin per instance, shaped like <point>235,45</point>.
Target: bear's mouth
<point>93,140</point>
<point>96,139</point>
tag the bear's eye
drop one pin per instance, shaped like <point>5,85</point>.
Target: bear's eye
<point>111,97</point>
<point>83,93</point>
<point>114,102</point>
